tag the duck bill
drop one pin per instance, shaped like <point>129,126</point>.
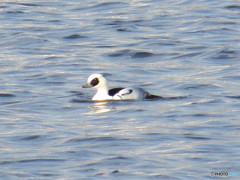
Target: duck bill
<point>86,86</point>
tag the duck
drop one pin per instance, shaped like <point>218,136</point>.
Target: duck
<point>100,82</point>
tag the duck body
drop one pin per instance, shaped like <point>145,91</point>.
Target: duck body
<point>99,82</point>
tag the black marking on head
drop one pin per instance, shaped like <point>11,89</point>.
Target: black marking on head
<point>94,82</point>
<point>114,91</point>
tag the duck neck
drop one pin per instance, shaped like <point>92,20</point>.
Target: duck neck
<point>102,90</point>
<point>103,87</point>
<point>102,94</point>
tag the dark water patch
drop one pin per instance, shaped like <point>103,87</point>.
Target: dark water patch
<point>196,137</point>
<point>74,36</point>
<point>130,110</point>
<point>115,172</point>
<point>159,137</point>
<point>41,160</point>
<point>198,159</point>
<point>12,102</point>
<point>77,93</point>
<point>122,25</point>
<point>231,127</point>
<point>35,76</point>
<point>82,101</point>
<point>104,4</point>
<point>84,153</point>
<point>88,170</point>
<point>32,138</point>
<point>228,23</point>
<point>188,55</point>
<point>234,97</point>
<point>46,174</point>
<point>174,98</point>
<point>153,134</point>
<point>226,54</point>
<point>201,151</point>
<point>15,12</point>
<point>195,115</point>
<point>80,97</point>
<point>54,83</point>
<point>3,7</point>
<point>165,44</point>
<point>118,158</point>
<point>122,22</point>
<point>105,46</point>
<point>161,41</point>
<point>232,7</point>
<point>196,48</point>
<point>54,21</point>
<point>141,54</point>
<point>218,30</point>
<point>119,53</point>
<point>132,54</point>
<point>109,3</point>
<point>32,161</point>
<point>112,162</point>
<point>96,139</point>
<point>124,30</point>
<point>28,4</point>
<point>200,115</point>
<point>29,138</point>
<point>198,86</point>
<point>115,23</point>
<point>6,95</point>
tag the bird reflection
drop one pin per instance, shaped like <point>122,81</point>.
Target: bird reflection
<point>99,107</point>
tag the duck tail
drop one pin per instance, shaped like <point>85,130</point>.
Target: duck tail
<point>152,96</point>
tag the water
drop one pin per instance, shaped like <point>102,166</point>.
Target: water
<point>186,51</point>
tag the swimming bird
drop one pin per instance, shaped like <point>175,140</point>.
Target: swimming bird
<point>99,82</point>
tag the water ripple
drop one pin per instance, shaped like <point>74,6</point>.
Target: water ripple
<point>185,51</point>
<point>7,95</point>
<point>74,36</point>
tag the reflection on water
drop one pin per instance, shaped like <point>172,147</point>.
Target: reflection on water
<point>98,108</point>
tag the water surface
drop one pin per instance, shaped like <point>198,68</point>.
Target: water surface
<point>185,51</point>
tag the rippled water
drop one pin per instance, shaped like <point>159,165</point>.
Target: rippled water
<point>186,51</point>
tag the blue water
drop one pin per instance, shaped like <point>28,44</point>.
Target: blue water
<point>188,52</point>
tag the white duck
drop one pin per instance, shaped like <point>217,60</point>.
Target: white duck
<point>99,82</point>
